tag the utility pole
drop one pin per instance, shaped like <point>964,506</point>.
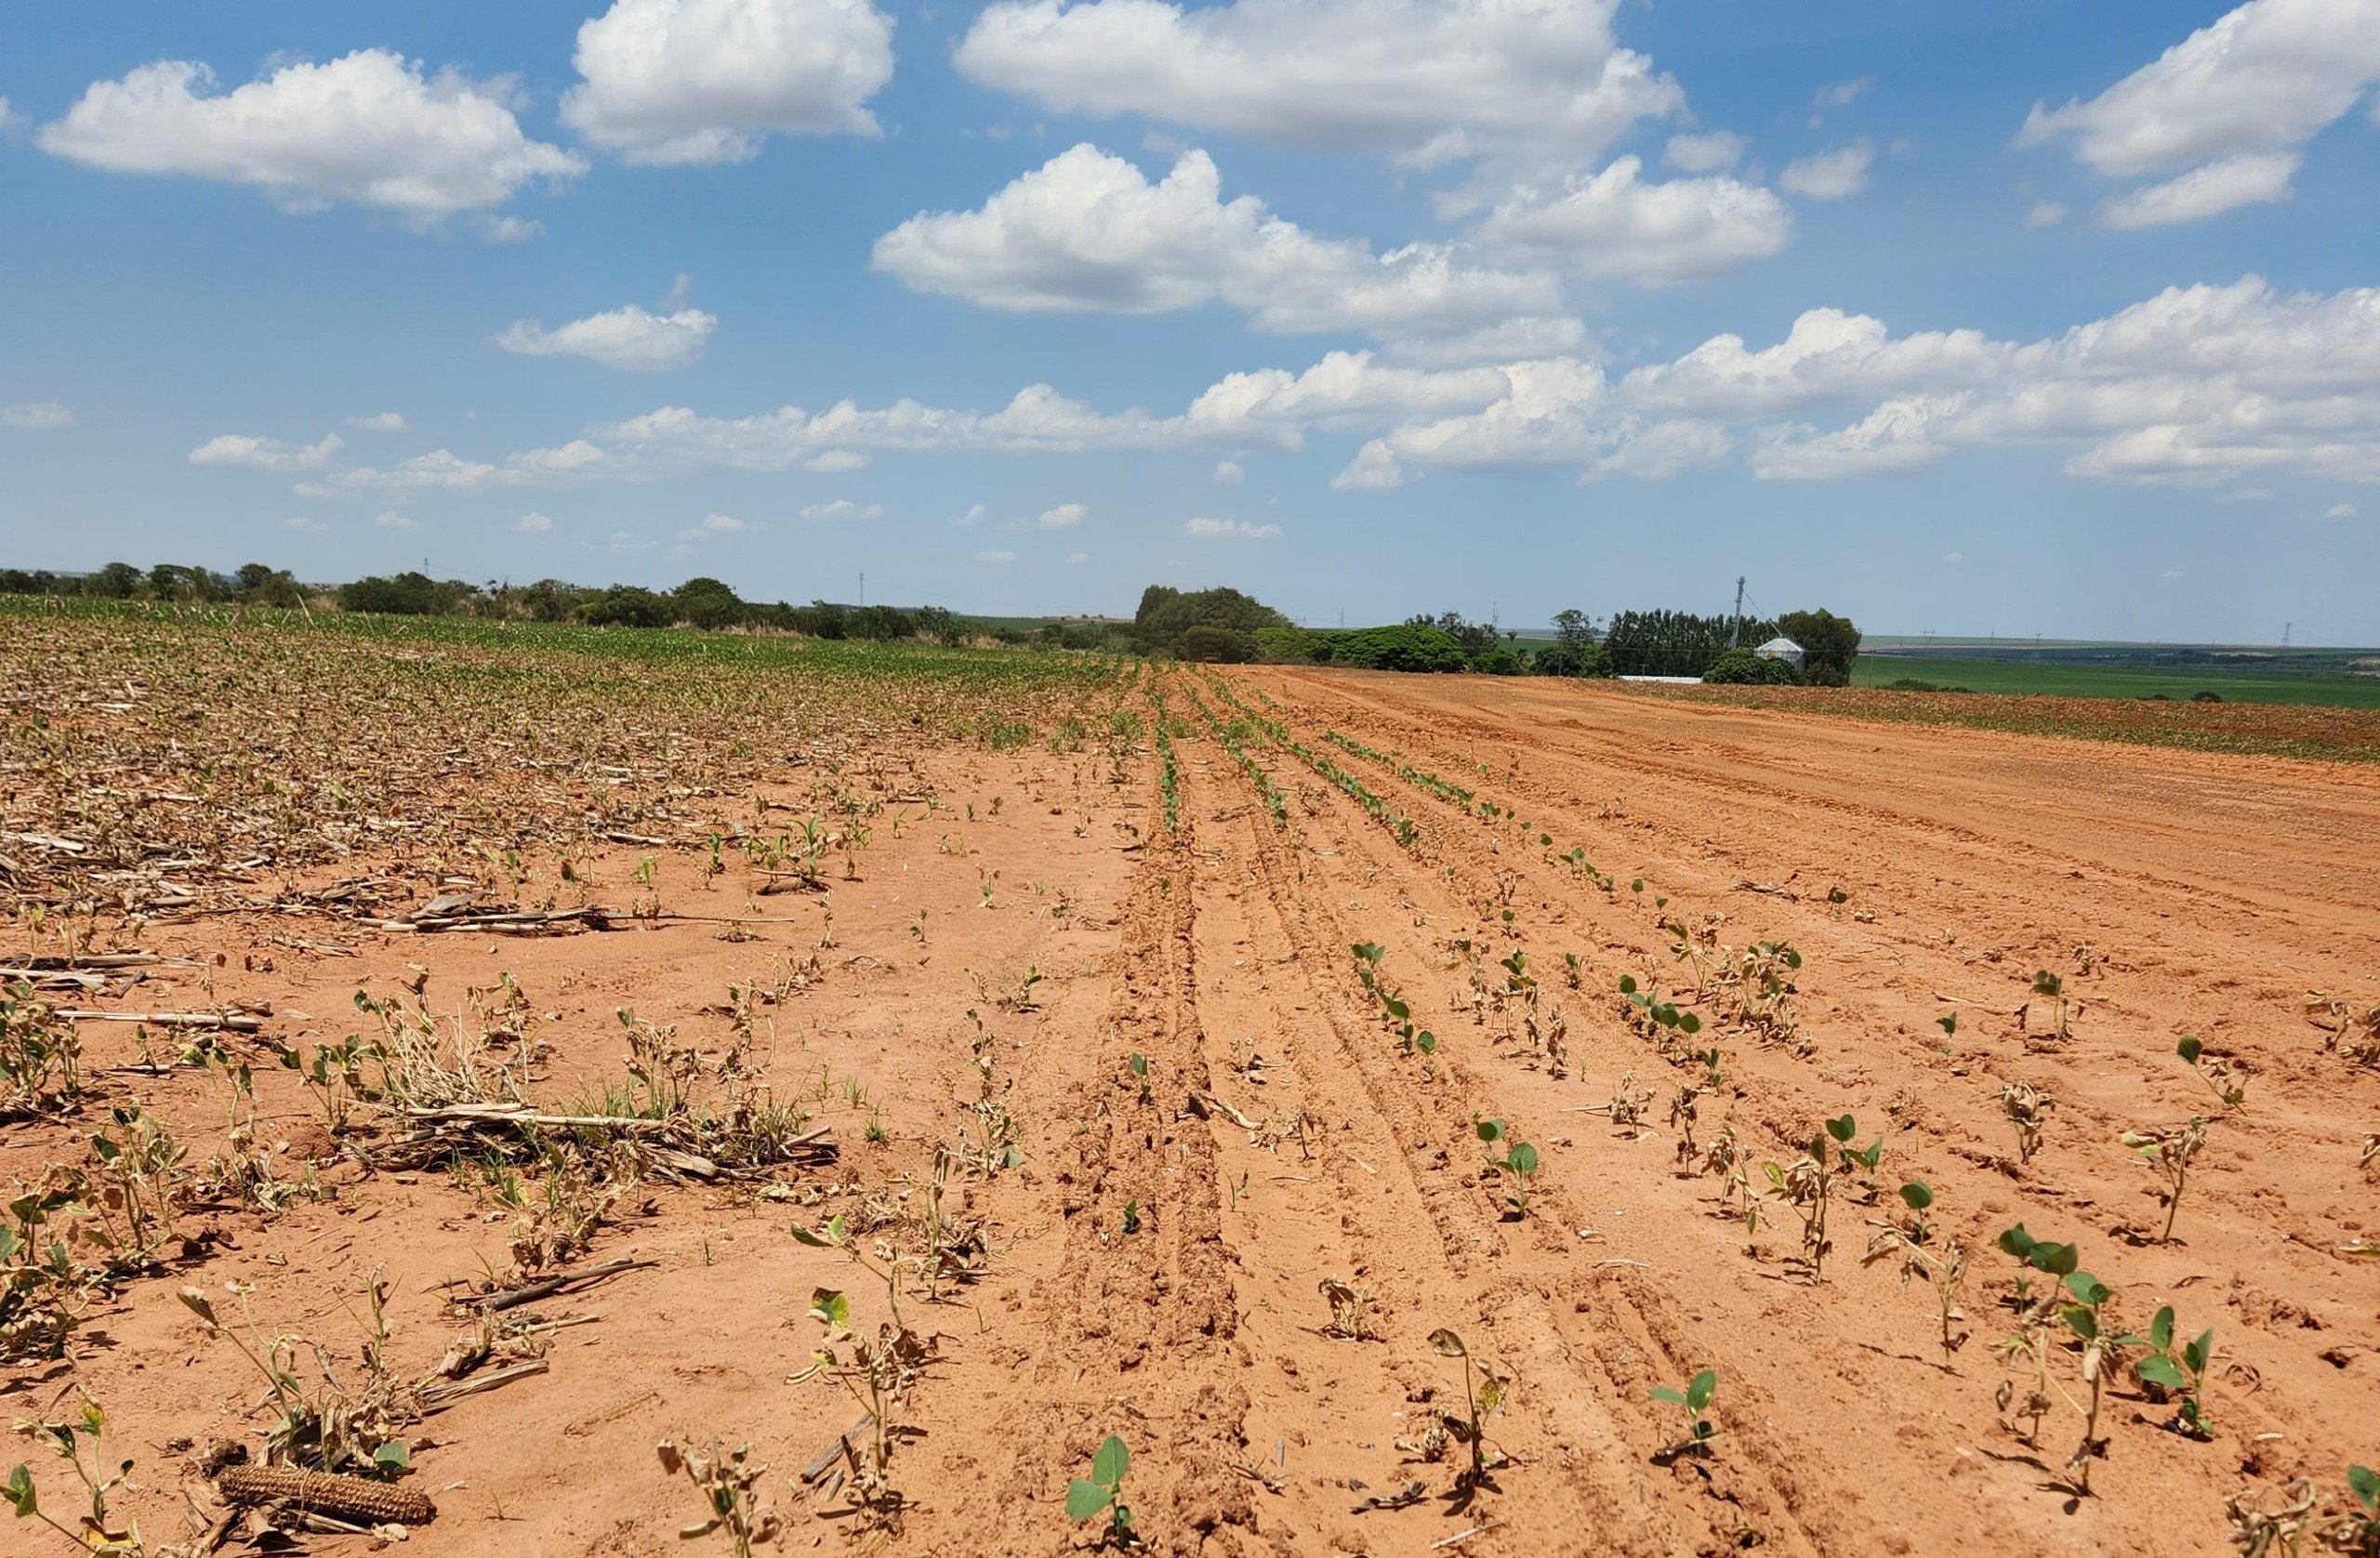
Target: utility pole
<point>1739,610</point>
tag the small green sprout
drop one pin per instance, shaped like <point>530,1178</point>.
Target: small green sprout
<point>1102,1492</point>
<point>2182,1372</point>
<point>1692,1401</point>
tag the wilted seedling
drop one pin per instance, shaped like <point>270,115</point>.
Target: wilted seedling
<point>1478,1400</point>
<point>1351,1309</point>
<point>40,1056</point>
<point>1808,1186</point>
<point>1102,1491</point>
<point>1726,1157</point>
<point>2182,1372</point>
<point>1692,1401</point>
<point>1943,1265</point>
<point>96,1531</point>
<point>1628,1104</point>
<point>2026,1107</point>
<point>2079,1303</point>
<point>2216,1072</point>
<point>2170,1151</point>
<point>730,1483</point>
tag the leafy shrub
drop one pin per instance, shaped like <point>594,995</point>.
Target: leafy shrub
<point>627,606</point>
<point>1742,667</point>
<point>1830,643</point>
<point>1215,645</point>
<point>1287,646</point>
<point>1165,613</point>
<point>1582,659</point>
<point>1406,647</point>
<point>708,604</point>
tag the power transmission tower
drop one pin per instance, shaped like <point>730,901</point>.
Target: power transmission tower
<point>1740,609</point>
<point>2284,633</point>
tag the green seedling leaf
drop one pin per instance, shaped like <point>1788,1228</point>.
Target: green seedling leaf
<point>1426,1041</point>
<point>1085,1499</point>
<point>1699,1393</point>
<point>2019,1243</point>
<point>2199,1353</point>
<point>395,1455</point>
<point>1689,1023</point>
<point>2088,1288</point>
<point>2081,1321</point>
<point>26,1502</point>
<point>1664,1393</point>
<point>1917,1195</point>
<point>2161,1329</point>
<point>2189,1050</point>
<point>1843,1128</point>
<point>1523,1159</point>
<point>1627,985</point>
<point>1112,1461</point>
<point>2363,1481</point>
<point>1948,1023</point>
<point>829,1305</point>
<point>2161,1371</point>
<point>1140,1064</point>
<point>1489,1131</point>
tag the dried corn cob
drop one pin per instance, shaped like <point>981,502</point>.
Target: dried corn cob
<point>327,1493</point>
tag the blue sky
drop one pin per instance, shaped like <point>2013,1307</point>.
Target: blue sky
<point>1367,307</point>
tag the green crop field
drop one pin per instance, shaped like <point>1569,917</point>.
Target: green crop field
<point>2116,682</point>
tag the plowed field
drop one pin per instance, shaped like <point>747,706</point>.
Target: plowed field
<point>1112,1103</point>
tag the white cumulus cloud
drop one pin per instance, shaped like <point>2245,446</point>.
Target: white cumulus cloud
<point>266,453</point>
<point>843,508</point>
<point>1231,530</point>
<point>369,128</point>
<point>706,81</point>
<point>628,337</point>
<point>2205,191</point>
<point>1065,516</point>
<point>2236,101</point>
<point>1427,81</point>
<point>36,415</point>
<point>1614,224</point>
<point>534,524</point>
<point>1837,172</point>
<point>378,422</point>
<point>1088,231</point>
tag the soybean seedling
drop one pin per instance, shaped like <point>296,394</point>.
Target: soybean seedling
<point>2182,1372</point>
<point>2051,987</point>
<point>2079,1301</point>
<point>2215,1071</point>
<point>1102,1492</point>
<point>730,1483</point>
<point>1140,1064</point>
<point>2026,1106</point>
<point>1944,1265</point>
<point>1692,1401</point>
<point>1809,1186</point>
<point>1477,1401</point>
<point>2170,1152</point>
